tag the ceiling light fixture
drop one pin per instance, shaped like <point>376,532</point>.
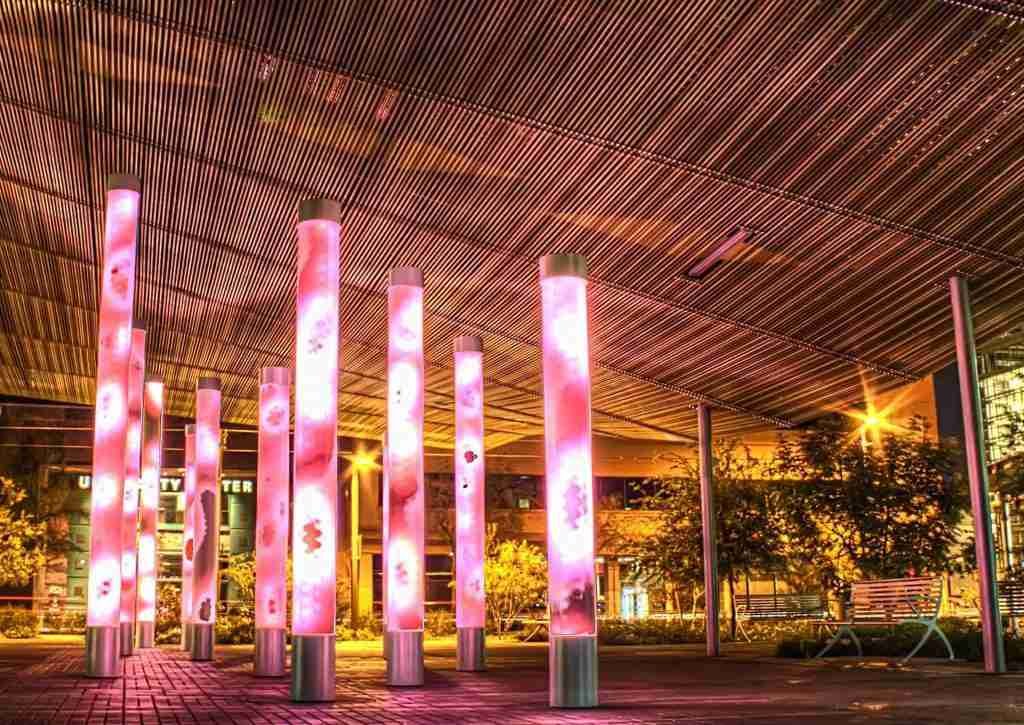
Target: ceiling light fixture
<point>737,235</point>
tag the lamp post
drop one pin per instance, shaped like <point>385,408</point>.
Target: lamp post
<point>469,503</point>
<point>977,475</point>
<point>272,523</point>
<point>404,542</point>
<point>102,647</point>
<point>149,501</point>
<point>315,510</point>
<point>569,480</point>
<point>130,505</point>
<point>206,518</point>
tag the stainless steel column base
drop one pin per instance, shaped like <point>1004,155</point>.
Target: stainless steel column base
<point>268,659</point>
<point>103,651</point>
<point>202,642</point>
<point>405,658</point>
<point>127,638</point>
<point>470,655</point>
<point>572,671</point>
<point>146,633</point>
<point>313,667</point>
<point>186,637</point>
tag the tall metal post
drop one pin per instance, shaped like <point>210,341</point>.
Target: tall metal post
<point>709,531</point>
<point>977,473</point>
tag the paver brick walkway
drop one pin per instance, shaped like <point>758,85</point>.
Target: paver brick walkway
<point>44,684</point>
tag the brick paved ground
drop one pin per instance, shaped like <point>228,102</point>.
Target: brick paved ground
<point>41,682</point>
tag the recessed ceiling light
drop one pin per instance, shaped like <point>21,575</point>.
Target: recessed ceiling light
<point>737,235</point>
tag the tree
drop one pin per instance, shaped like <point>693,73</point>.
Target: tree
<point>882,511</point>
<point>516,573</point>
<point>23,537</point>
<point>749,518</point>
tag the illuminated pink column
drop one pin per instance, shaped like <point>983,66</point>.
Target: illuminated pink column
<point>404,541</point>
<point>315,509</point>
<point>102,648</point>
<point>206,518</point>
<point>188,539</point>
<point>130,505</point>
<point>272,523</point>
<point>569,482</point>
<point>469,503</point>
<point>149,501</point>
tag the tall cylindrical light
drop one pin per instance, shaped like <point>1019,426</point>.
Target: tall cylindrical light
<point>404,542</point>
<point>188,539</point>
<point>569,482</point>
<point>149,501</point>
<point>469,503</point>
<point>272,523</point>
<point>206,518</point>
<point>102,647</point>
<point>130,505</point>
<point>315,508</point>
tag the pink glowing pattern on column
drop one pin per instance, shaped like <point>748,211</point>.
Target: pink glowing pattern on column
<point>132,472</point>
<point>111,421</point>
<point>469,483</point>
<point>272,500</point>
<point>567,446</point>
<point>206,505</point>
<point>315,509</point>
<point>149,496</point>
<point>404,544</point>
<point>188,540</point>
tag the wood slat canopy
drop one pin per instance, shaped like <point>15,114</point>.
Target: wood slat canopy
<point>874,147</point>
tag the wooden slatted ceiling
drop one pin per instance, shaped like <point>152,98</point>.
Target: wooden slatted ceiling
<point>874,146</point>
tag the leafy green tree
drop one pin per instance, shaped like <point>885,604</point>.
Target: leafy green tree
<point>749,517</point>
<point>516,575</point>
<point>23,536</point>
<point>881,511</point>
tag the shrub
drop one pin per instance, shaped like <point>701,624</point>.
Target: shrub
<point>439,624</point>
<point>898,641</point>
<point>234,628</point>
<point>63,621</point>
<point>17,623</point>
<point>647,631</point>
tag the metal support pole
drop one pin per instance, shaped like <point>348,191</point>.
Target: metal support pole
<point>709,531</point>
<point>355,546</point>
<point>974,451</point>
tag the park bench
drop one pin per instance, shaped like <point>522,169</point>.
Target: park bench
<point>1011,599</point>
<point>889,602</point>
<point>789,607</point>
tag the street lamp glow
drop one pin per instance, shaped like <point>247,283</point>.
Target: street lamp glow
<point>130,505</point>
<point>149,501</point>
<point>469,502</point>
<point>569,483</point>
<point>272,522</point>
<point>404,542</point>
<point>315,508</point>
<point>114,343</point>
<point>206,518</point>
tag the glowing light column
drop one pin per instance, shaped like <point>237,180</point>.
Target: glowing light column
<point>272,523</point>
<point>149,501</point>
<point>572,658</point>
<point>102,649</point>
<point>404,530</point>
<point>130,505</point>
<point>206,518</point>
<point>315,526</point>
<point>188,539</point>
<point>469,503</point>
